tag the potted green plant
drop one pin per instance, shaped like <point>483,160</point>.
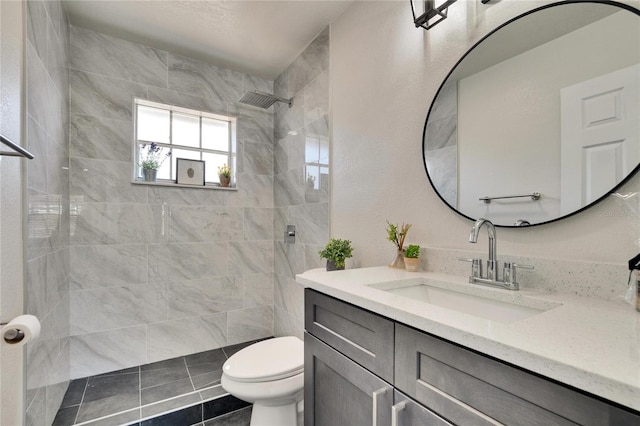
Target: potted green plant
<point>412,257</point>
<point>336,251</point>
<point>397,234</point>
<point>224,173</point>
<point>151,159</point>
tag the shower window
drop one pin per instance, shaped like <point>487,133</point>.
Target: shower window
<point>182,133</point>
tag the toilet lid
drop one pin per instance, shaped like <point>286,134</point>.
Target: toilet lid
<point>267,360</point>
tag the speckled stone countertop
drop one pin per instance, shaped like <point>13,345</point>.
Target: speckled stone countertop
<point>588,343</point>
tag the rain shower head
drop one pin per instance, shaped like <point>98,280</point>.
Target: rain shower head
<point>263,100</point>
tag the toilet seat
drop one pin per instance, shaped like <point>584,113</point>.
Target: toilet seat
<point>269,360</point>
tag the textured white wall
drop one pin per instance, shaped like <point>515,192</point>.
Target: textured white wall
<point>384,74</point>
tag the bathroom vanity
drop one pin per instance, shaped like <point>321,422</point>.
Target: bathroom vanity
<point>385,346</point>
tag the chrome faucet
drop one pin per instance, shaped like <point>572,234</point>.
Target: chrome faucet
<point>491,279</point>
<point>492,263</point>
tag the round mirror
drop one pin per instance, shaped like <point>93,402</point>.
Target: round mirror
<point>541,118</point>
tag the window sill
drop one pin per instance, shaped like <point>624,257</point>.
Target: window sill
<point>177,185</point>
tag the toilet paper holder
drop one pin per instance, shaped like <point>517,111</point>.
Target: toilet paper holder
<point>13,335</point>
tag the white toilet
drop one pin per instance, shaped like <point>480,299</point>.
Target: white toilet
<point>270,375</point>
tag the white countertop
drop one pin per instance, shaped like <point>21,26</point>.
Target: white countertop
<point>588,343</point>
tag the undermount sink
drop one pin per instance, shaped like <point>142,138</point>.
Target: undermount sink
<point>512,308</point>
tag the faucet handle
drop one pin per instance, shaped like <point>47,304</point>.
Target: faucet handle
<point>476,266</point>
<point>509,272</point>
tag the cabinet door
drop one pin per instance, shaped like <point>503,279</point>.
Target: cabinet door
<point>363,336</point>
<point>337,391</point>
<point>407,412</point>
<point>459,383</point>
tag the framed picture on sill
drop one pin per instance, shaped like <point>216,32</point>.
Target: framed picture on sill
<point>189,172</point>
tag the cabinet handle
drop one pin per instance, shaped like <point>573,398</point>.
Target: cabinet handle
<point>395,410</point>
<point>374,397</point>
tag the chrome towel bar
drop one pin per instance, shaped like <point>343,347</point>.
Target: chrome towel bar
<point>534,196</point>
<point>20,151</point>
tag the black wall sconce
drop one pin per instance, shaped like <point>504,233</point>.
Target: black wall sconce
<point>433,12</point>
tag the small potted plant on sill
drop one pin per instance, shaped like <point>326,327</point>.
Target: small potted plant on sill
<point>151,159</point>
<point>412,258</point>
<point>336,251</point>
<point>224,173</point>
<point>396,234</point>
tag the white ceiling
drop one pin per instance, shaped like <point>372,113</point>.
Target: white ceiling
<point>260,38</point>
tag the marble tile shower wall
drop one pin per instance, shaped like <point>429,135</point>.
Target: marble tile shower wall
<point>302,139</point>
<point>160,272</point>
<point>47,224</point>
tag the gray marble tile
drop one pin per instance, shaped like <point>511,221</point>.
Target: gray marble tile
<point>111,350</point>
<point>258,224</point>
<point>187,261</point>
<point>102,309</point>
<point>286,325</point>
<point>54,394</point>
<point>254,124</point>
<point>202,79</point>
<point>104,181</point>
<point>312,259</point>
<point>212,392</point>
<point>258,290</point>
<point>56,15</point>
<point>100,138</point>
<point>57,276</point>
<point>37,26</point>
<point>124,418</point>
<point>185,336</point>
<point>207,296</point>
<point>316,98</point>
<point>44,224</point>
<point>205,380</point>
<point>40,357</point>
<point>113,404</point>
<point>312,223</point>
<point>188,196</point>
<point>37,167</point>
<point>310,63</point>
<point>258,158</point>
<point>114,57</point>
<point>43,100</point>
<point>108,266</point>
<point>280,222</point>
<point>250,324</point>
<point>100,96</point>
<point>296,150</point>
<point>289,259</point>
<point>280,156</point>
<point>60,370</point>
<point>57,57</point>
<point>289,188</point>
<point>253,191</point>
<point>36,286</point>
<point>36,411</point>
<point>288,120</point>
<point>177,98</point>
<point>109,223</point>
<point>165,391</point>
<point>58,167</point>
<point>250,82</point>
<point>55,324</point>
<point>205,223</point>
<point>250,257</point>
<point>289,296</point>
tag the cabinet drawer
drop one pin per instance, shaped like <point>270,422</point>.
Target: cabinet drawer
<point>337,391</point>
<point>363,336</point>
<point>436,373</point>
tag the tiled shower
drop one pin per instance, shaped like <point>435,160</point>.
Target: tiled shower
<point>122,274</point>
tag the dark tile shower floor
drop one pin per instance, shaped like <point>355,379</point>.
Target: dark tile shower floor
<point>138,395</point>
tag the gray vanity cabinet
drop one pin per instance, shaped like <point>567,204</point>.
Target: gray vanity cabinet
<point>337,391</point>
<point>358,364</point>
<point>406,412</point>
<point>470,388</point>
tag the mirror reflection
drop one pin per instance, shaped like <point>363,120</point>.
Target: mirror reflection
<point>547,104</point>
